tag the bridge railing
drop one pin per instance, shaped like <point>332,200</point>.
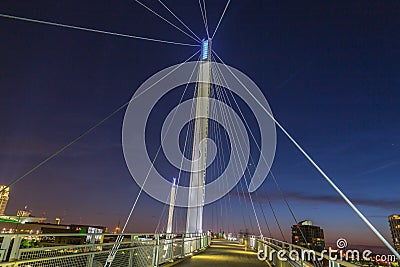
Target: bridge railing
<point>87,250</point>
<point>292,255</point>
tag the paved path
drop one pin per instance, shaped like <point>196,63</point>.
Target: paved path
<point>223,253</point>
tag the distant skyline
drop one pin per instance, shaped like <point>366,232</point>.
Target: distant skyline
<point>330,72</point>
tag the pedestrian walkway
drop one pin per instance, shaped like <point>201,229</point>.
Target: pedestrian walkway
<point>224,253</point>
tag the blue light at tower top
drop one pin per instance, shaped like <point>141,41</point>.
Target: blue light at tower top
<point>173,181</point>
<point>204,50</point>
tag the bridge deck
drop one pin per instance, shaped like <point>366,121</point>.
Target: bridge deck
<point>223,253</point>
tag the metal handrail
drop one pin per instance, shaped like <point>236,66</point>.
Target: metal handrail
<point>154,248</point>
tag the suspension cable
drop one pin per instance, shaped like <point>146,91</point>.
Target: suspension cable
<point>204,18</point>
<point>237,187</point>
<point>167,21</point>
<point>183,155</point>
<point>316,166</point>
<point>223,113</point>
<point>184,24</point>
<point>220,19</point>
<point>187,131</point>
<point>92,30</point>
<point>219,140</point>
<point>275,180</point>
<point>265,219</point>
<point>251,200</point>
<point>251,158</point>
<point>79,137</point>
<point>116,246</point>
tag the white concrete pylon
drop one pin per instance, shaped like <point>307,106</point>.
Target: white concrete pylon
<point>194,220</point>
<point>171,206</point>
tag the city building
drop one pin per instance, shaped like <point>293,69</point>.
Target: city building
<point>20,219</point>
<point>13,227</point>
<point>25,223</point>
<point>394,222</point>
<point>5,191</point>
<point>307,235</point>
<point>23,216</point>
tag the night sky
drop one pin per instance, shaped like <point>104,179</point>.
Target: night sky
<point>329,70</point>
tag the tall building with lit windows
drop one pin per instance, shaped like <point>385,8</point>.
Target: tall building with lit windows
<point>3,198</point>
<point>307,235</point>
<point>394,222</point>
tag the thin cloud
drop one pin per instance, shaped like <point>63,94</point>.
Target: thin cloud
<point>329,199</point>
<point>379,168</point>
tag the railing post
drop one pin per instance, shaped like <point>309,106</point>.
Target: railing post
<point>156,250</point>
<point>183,245</point>
<point>275,259</point>
<point>205,241</point>
<point>200,241</point>
<point>333,264</point>
<point>193,243</point>
<point>92,248</point>
<point>15,248</point>
<point>289,249</point>
<point>266,251</point>
<point>172,248</point>
<point>131,250</point>
<point>5,246</point>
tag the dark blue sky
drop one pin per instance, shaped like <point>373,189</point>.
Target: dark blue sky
<point>330,71</point>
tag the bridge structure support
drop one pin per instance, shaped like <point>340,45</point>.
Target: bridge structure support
<point>194,219</point>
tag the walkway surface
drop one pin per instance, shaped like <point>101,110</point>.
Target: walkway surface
<point>223,253</point>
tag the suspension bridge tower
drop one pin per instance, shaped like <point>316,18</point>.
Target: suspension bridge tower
<point>194,220</point>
